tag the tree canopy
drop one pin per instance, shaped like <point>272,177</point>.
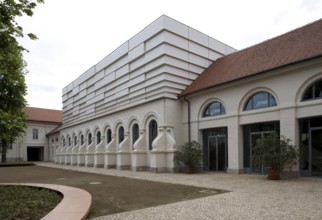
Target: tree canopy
<point>12,70</point>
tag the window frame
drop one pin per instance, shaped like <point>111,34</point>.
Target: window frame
<point>135,133</point>
<point>153,132</point>
<point>271,101</point>
<point>108,136</point>
<point>312,87</point>
<point>98,137</point>
<point>89,136</point>
<point>222,110</point>
<point>35,134</point>
<point>120,132</point>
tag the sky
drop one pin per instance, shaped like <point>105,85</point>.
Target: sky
<point>74,35</point>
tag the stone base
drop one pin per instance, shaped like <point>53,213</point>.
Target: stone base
<point>140,169</point>
<point>235,171</point>
<point>99,165</point>
<point>124,167</point>
<point>110,166</point>
<point>290,174</point>
<point>158,170</point>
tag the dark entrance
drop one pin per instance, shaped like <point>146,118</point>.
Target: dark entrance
<point>215,149</point>
<point>311,147</point>
<point>252,134</point>
<point>35,153</point>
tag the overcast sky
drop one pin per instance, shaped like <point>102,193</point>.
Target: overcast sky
<point>76,34</point>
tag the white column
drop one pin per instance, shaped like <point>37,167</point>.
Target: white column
<point>290,129</point>
<point>235,146</point>
<point>139,154</point>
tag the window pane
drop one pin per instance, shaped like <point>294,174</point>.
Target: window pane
<point>318,89</point>
<point>82,139</point>
<point>272,101</point>
<point>89,138</point>
<point>135,133</point>
<point>98,137</point>
<point>308,93</point>
<point>249,105</point>
<point>153,132</point>
<point>35,134</point>
<point>108,136</point>
<point>121,134</point>
<point>223,111</point>
<point>314,91</point>
<point>260,100</point>
<point>213,109</point>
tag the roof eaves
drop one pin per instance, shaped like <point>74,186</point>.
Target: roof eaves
<point>251,75</point>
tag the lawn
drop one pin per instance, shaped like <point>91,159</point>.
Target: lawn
<point>24,202</point>
<point>110,194</point>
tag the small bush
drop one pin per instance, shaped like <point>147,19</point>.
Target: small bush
<point>189,154</point>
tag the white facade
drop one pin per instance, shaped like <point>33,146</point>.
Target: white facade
<point>287,85</point>
<point>126,111</point>
<point>34,144</point>
<point>137,83</point>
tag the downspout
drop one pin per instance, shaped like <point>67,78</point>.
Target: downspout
<point>189,122</point>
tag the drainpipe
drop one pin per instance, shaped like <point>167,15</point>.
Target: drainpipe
<point>189,122</point>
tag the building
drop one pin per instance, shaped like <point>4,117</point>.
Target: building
<point>34,145</point>
<point>170,84</point>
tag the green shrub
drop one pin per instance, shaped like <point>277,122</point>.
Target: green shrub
<point>275,152</point>
<point>189,154</point>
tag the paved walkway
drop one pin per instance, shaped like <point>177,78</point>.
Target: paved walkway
<point>251,197</point>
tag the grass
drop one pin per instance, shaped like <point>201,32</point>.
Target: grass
<point>25,202</point>
<point>16,164</point>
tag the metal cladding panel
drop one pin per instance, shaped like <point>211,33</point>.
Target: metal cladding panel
<point>163,58</point>
<point>176,27</point>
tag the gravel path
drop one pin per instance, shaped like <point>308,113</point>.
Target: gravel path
<point>251,197</point>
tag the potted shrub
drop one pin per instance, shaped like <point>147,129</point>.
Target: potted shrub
<point>189,155</point>
<point>276,153</point>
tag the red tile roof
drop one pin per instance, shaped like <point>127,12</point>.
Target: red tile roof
<point>43,115</point>
<point>299,45</point>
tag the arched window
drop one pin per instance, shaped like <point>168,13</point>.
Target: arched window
<point>108,136</point>
<point>64,142</point>
<point>121,134</point>
<point>214,109</point>
<point>89,141</point>
<point>314,91</point>
<point>98,137</point>
<point>135,133</point>
<point>153,132</point>
<point>69,141</point>
<point>260,100</point>
<point>82,139</point>
<point>75,140</point>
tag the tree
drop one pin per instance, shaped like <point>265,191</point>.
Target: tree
<point>12,71</point>
<point>275,152</point>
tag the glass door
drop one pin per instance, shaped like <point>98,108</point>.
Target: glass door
<point>217,153</point>
<point>255,137</point>
<point>316,151</point>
